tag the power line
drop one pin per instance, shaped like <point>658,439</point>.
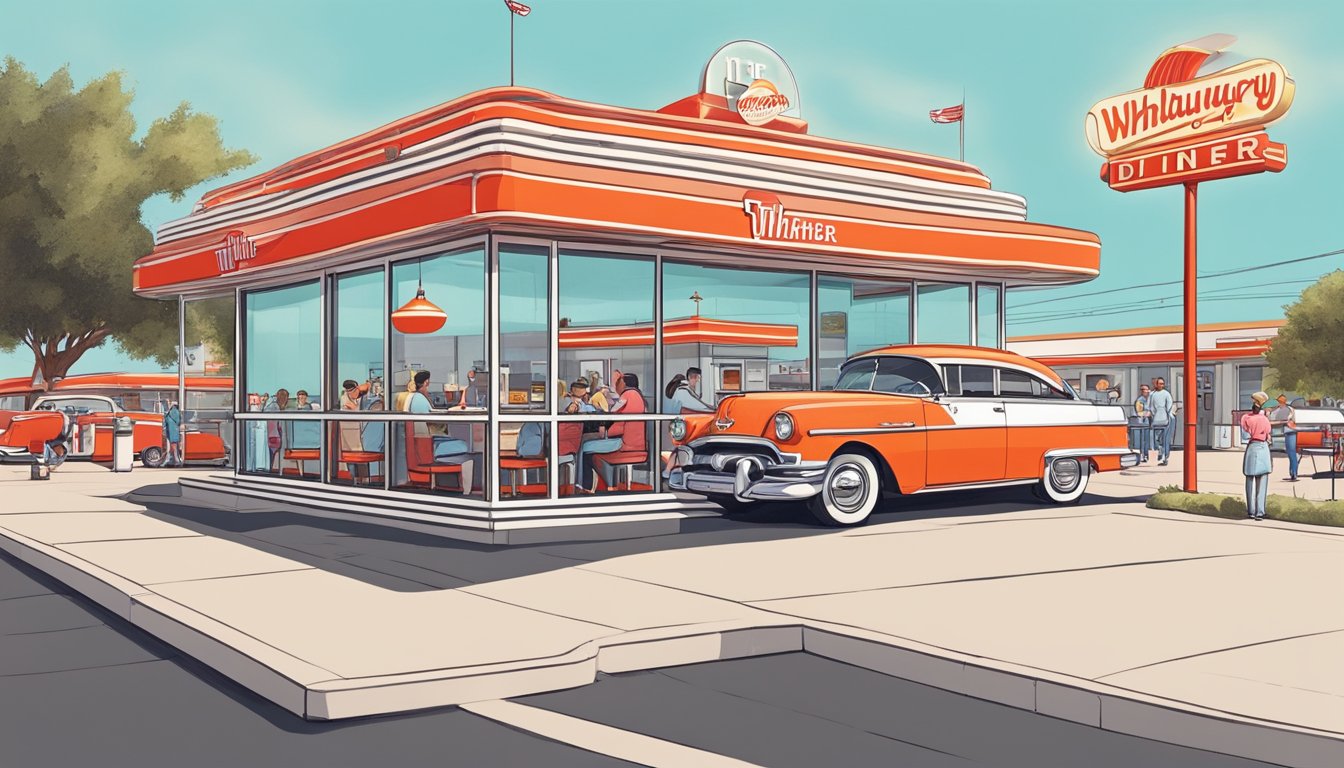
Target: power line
<point>1142,303</point>
<point>1101,312</point>
<point>1210,275</point>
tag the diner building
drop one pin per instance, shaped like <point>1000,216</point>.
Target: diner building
<point>555,240</point>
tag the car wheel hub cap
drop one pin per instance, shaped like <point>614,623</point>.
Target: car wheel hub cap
<point>1064,474</point>
<point>848,488</point>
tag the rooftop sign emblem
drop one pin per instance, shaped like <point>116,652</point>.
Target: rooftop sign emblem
<point>756,82</point>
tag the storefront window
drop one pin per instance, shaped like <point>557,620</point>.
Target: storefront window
<point>455,354</point>
<point>988,311</point>
<point>524,328</point>
<point>943,313</point>
<point>606,324</point>
<point>746,330</point>
<point>857,315</point>
<point>358,321</point>
<point>283,344</point>
<point>290,448</point>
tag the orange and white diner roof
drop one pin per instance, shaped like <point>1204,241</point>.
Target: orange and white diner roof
<point>522,160</point>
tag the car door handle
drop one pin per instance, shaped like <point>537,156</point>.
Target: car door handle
<point>898,424</point>
<point>998,409</point>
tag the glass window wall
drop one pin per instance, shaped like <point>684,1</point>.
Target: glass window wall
<point>358,323</point>
<point>455,355</point>
<point>855,315</point>
<point>988,314</point>
<point>524,329</point>
<point>943,313</point>
<point>282,364</point>
<point>745,330</point>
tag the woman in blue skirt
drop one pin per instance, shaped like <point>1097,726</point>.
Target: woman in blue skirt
<point>1256,464</point>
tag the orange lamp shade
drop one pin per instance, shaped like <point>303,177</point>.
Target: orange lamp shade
<point>419,316</point>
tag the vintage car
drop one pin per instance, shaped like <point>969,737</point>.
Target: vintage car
<point>93,417</point>
<point>901,420</point>
<point>24,433</point>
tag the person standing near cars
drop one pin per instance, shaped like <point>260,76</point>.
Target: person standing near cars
<point>1283,415</point>
<point>1256,464</point>
<point>1144,430</point>
<point>1162,410</point>
<point>172,434</point>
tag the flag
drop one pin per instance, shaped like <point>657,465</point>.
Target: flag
<point>518,8</point>
<point>947,114</point>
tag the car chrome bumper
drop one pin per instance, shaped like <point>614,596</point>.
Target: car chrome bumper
<point>750,481</point>
<point>1130,459</point>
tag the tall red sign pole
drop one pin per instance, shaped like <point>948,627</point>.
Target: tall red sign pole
<point>1184,126</point>
<point>1190,412</point>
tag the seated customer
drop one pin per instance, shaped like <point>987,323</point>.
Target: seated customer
<point>447,450</point>
<point>623,436</point>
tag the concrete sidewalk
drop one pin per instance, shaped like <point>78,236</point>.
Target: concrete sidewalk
<point>1208,633</point>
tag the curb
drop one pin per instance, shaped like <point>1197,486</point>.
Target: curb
<point>317,694</point>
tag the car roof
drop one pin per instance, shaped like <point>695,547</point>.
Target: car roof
<point>938,352</point>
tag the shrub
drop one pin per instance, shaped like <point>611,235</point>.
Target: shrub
<point>1287,508</point>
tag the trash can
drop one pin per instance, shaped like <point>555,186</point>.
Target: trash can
<point>1222,436</point>
<point>123,444</point>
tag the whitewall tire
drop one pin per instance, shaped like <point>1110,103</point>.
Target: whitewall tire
<point>1064,480</point>
<point>849,491</point>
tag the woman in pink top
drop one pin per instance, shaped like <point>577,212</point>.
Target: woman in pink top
<point>1256,463</point>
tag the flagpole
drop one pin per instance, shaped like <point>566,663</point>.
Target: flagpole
<point>511,15</point>
<point>961,129</point>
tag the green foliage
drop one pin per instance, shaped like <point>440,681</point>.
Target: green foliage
<point>1291,509</point>
<point>1308,354</point>
<point>73,176</point>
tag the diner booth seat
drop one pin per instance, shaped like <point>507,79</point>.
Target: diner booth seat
<point>420,465</point>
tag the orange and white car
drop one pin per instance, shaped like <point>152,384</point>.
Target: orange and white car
<point>902,420</point>
<point>94,417</point>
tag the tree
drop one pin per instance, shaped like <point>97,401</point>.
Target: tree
<point>1308,354</point>
<point>73,176</point>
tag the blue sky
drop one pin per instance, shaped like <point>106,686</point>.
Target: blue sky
<point>288,76</point>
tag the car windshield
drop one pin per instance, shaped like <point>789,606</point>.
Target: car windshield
<point>893,375</point>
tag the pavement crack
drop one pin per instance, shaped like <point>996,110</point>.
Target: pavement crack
<point>53,631</point>
<point>1222,650</point>
<point>1003,576</point>
<point>94,666</point>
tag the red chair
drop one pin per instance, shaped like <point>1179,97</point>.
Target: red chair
<point>420,466</point>
<point>515,464</point>
<point>366,458</point>
<point>298,456</point>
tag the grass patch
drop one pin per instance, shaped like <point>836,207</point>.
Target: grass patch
<point>1292,509</point>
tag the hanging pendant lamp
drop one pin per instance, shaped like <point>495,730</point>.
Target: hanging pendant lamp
<point>419,315</point>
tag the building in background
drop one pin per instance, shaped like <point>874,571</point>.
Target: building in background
<point>1109,366</point>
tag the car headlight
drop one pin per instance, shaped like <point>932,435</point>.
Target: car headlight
<point>783,426</point>
<point>678,429</point>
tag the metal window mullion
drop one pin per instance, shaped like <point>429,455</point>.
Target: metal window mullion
<point>387,370</point>
<point>1003,315</point>
<point>553,373</point>
<point>914,312</point>
<point>658,367</point>
<point>239,376</point>
<point>494,365</point>
<point>182,356</point>
<point>814,311</point>
<point>324,376</point>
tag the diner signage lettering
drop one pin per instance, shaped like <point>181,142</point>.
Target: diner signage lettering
<point>1251,94</point>
<point>1220,158</point>
<point>769,221</point>
<point>237,249</point>
<point>753,79</point>
<point>1183,127</point>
